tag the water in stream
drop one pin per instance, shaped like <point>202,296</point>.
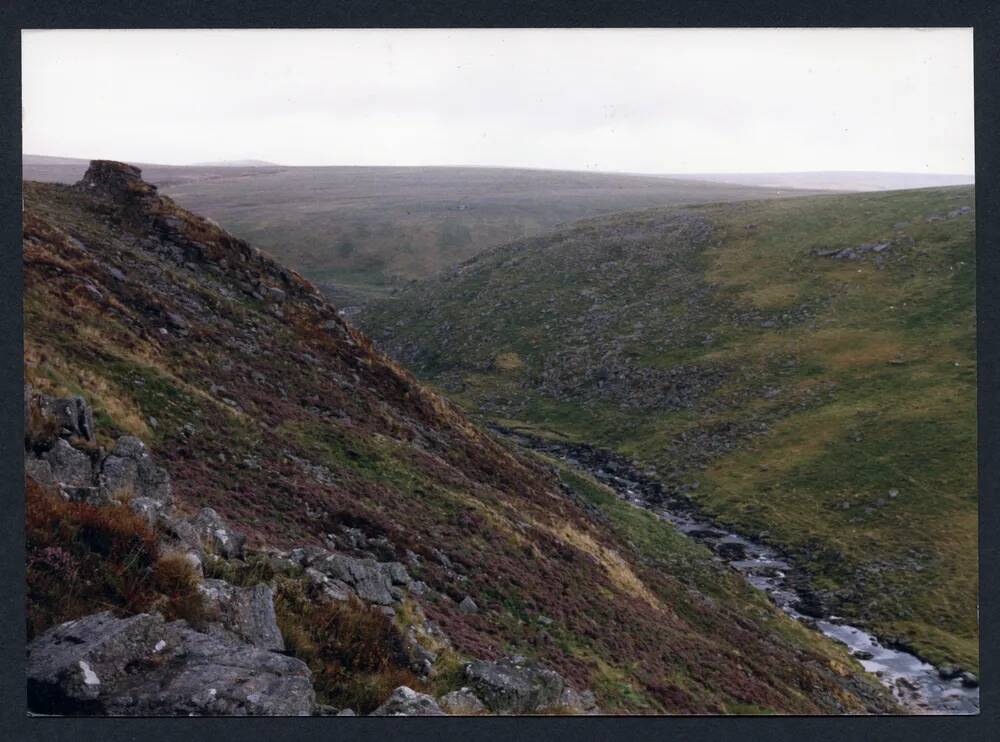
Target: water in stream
<point>916,684</point>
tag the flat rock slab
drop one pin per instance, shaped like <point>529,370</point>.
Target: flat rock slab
<point>142,666</point>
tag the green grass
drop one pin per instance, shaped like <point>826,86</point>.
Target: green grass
<point>838,380</point>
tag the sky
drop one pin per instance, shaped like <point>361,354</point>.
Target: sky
<point>630,100</point>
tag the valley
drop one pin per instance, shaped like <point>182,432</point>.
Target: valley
<point>802,369</point>
<point>360,233</point>
<point>228,486</point>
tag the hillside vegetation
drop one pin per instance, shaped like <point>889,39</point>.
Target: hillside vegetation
<point>261,403</point>
<point>802,369</point>
<point>359,232</point>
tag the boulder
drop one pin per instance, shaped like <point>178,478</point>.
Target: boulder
<point>216,536</point>
<point>332,589</point>
<point>244,612</point>
<point>68,465</point>
<point>468,605</point>
<point>130,469</point>
<point>40,471</point>
<point>578,702</point>
<point>367,578</point>
<point>462,702</point>
<point>71,416</point>
<point>405,701</point>
<point>142,666</point>
<point>514,686</point>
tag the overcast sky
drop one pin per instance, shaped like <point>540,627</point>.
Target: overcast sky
<point>653,101</point>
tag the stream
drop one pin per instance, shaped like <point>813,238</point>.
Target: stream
<point>917,685</point>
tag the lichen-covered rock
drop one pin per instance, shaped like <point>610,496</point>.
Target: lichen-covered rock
<point>405,701</point>
<point>68,465</point>
<point>130,469</point>
<point>246,612</point>
<point>366,576</point>
<point>71,416</point>
<point>217,536</point>
<point>142,666</point>
<point>514,686</point>
<point>462,702</point>
<point>40,471</point>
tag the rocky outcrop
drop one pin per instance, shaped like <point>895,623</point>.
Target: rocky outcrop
<point>405,701</point>
<point>373,582</point>
<point>514,686</point>
<point>129,469</point>
<point>143,666</point>
<point>462,702</point>
<point>246,613</point>
<point>69,416</point>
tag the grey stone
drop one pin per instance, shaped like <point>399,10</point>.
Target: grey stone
<point>70,415</point>
<point>141,666</point>
<point>333,589</point>
<point>346,712</point>
<point>130,469</point>
<point>468,605</point>
<point>147,507</point>
<point>969,680</point>
<point>246,612</point>
<point>405,701</point>
<point>462,702</point>
<point>513,686</point>
<point>89,495</point>
<point>396,573</point>
<point>365,575</point>
<point>68,465</point>
<point>216,536</point>
<point>40,471</point>
<point>578,702</point>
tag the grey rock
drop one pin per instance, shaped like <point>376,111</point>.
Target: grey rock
<point>141,666</point>
<point>396,573</point>
<point>246,612</point>
<point>306,556</point>
<point>70,415</point>
<point>405,701</point>
<point>89,495</point>
<point>468,605</point>
<point>364,575</point>
<point>40,471</point>
<point>969,680</point>
<point>130,469</point>
<point>462,702</point>
<point>217,536</point>
<point>578,702</point>
<point>68,465</point>
<point>148,508</point>
<point>337,590</point>
<point>514,686</point>
<point>347,712</point>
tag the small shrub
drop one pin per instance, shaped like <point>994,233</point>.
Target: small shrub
<point>354,651</point>
<point>176,578</point>
<point>82,559</point>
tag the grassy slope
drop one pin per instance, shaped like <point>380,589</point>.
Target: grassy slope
<point>358,232</point>
<point>649,621</point>
<point>809,387</point>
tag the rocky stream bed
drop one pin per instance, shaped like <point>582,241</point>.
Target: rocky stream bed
<point>917,685</point>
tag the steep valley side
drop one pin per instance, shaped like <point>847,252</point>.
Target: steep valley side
<point>803,370</point>
<point>218,466</point>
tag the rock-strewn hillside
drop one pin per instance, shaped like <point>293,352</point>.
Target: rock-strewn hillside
<point>803,369</point>
<point>218,467</point>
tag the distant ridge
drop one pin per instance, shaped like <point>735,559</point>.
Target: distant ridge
<point>236,163</point>
<point>841,180</point>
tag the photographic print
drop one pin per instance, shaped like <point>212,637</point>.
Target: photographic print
<point>500,372</point>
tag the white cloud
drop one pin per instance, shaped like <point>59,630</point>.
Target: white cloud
<point>624,100</point>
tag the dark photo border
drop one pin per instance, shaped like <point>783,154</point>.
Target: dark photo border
<point>15,15</point>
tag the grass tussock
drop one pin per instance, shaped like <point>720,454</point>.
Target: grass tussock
<point>82,559</point>
<point>354,651</point>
